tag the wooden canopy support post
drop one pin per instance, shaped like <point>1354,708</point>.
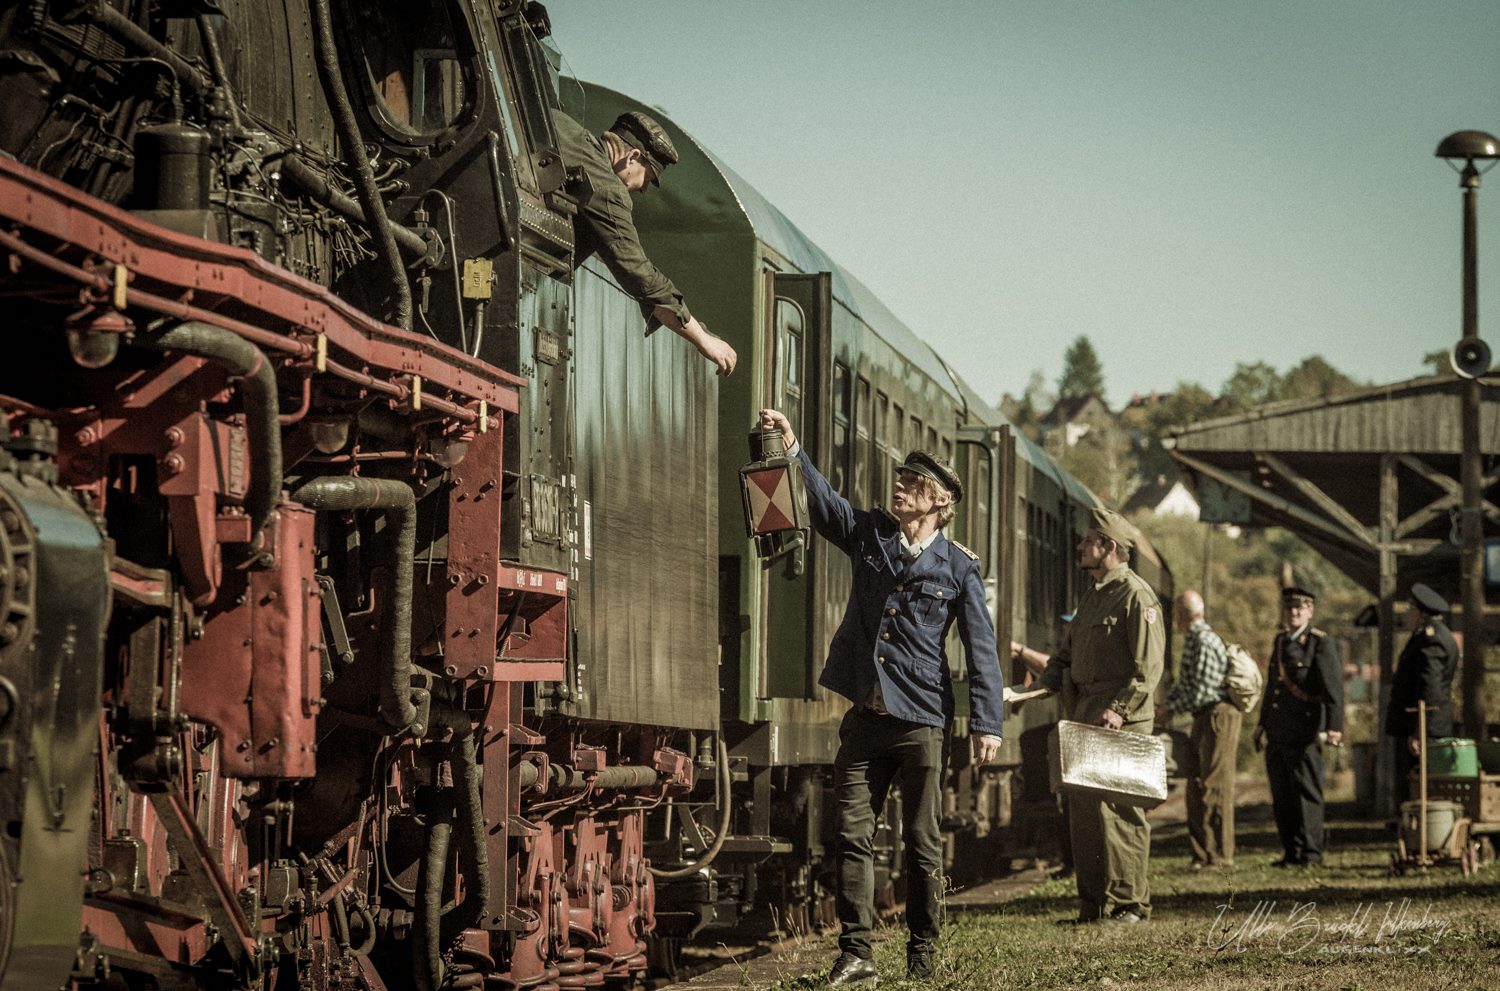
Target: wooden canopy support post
<point>1386,801</point>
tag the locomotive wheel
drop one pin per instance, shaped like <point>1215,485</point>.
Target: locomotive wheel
<point>664,956</point>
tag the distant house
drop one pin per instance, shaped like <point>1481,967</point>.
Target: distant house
<point>1164,496</point>
<point>1075,416</point>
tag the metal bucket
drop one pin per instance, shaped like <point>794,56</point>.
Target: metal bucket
<point>1441,818</point>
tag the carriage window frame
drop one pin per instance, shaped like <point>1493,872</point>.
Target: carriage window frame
<point>789,391</point>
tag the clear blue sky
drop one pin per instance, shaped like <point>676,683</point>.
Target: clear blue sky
<point>1191,183</point>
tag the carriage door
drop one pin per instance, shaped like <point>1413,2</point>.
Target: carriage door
<point>987,457</point>
<point>988,460</point>
<point>797,635</point>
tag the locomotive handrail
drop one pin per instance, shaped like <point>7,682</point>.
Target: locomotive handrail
<point>191,279</point>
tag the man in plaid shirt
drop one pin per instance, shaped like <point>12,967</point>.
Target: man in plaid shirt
<point>1200,689</point>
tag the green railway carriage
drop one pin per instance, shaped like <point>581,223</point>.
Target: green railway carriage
<point>861,389</point>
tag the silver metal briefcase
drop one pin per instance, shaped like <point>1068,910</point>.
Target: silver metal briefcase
<point>1130,768</point>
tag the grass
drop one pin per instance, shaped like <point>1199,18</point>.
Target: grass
<point>1350,925</point>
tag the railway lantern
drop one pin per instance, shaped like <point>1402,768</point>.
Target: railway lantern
<point>774,494</point>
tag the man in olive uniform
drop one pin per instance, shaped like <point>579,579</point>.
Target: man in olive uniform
<point>1424,674</point>
<point>911,585</point>
<point>1107,675</point>
<point>1304,698</point>
<point>624,160</point>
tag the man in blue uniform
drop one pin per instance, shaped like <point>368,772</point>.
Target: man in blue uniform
<point>1304,697</point>
<point>911,584</point>
<point>1424,674</point>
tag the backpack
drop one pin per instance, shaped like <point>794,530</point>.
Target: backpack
<point>1242,678</point>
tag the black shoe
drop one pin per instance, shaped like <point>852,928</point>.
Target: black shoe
<point>1125,917</point>
<point>919,965</point>
<point>1286,862</point>
<point>1064,871</point>
<point>850,969</point>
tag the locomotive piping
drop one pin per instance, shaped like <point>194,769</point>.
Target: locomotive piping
<point>429,934</point>
<point>305,178</point>
<point>115,23</point>
<point>257,389</point>
<point>725,808</point>
<point>354,146</point>
<point>427,948</point>
<point>216,62</point>
<point>400,504</point>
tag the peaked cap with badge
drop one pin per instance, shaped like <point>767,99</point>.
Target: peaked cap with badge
<point>929,465</point>
<point>644,134</point>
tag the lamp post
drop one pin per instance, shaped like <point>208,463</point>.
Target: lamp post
<point>1461,150</point>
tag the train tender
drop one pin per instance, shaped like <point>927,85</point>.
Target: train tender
<point>378,612</point>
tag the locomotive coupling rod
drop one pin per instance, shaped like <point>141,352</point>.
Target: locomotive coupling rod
<point>201,863</point>
<point>617,776</point>
<point>346,493</point>
<point>302,175</point>
<point>257,378</point>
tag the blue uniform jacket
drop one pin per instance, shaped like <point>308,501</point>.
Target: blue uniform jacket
<point>898,616</point>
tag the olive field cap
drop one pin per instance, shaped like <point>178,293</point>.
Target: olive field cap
<point>931,466</point>
<point>1294,595</point>
<point>1427,600</point>
<point>646,136</point>
<point>1114,526</point>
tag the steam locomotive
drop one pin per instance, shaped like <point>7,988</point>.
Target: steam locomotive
<point>378,611</point>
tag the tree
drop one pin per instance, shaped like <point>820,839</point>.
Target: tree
<point>1253,383</point>
<point>1438,362</point>
<point>1150,421</point>
<point>1027,411</point>
<point>1315,379</point>
<point>1101,459</point>
<point>1082,374</point>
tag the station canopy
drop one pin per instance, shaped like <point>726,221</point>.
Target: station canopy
<point>1355,474</point>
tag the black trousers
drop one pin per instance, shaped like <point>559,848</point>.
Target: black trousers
<point>1295,773</point>
<point>876,751</point>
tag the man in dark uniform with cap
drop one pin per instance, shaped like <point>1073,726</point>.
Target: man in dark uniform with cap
<point>911,585</point>
<point>633,153</point>
<point>1304,698</point>
<point>1424,674</point>
<point>1107,674</point>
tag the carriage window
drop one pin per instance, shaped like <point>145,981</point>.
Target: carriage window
<point>880,484</point>
<point>789,330</point>
<point>841,416</point>
<point>862,442</point>
<point>412,63</point>
<point>915,440</point>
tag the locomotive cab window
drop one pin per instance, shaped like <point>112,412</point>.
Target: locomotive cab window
<point>418,81</point>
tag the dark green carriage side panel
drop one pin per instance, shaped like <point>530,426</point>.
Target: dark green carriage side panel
<point>646,614</point>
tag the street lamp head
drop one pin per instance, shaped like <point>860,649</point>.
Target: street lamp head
<point>1462,148</point>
